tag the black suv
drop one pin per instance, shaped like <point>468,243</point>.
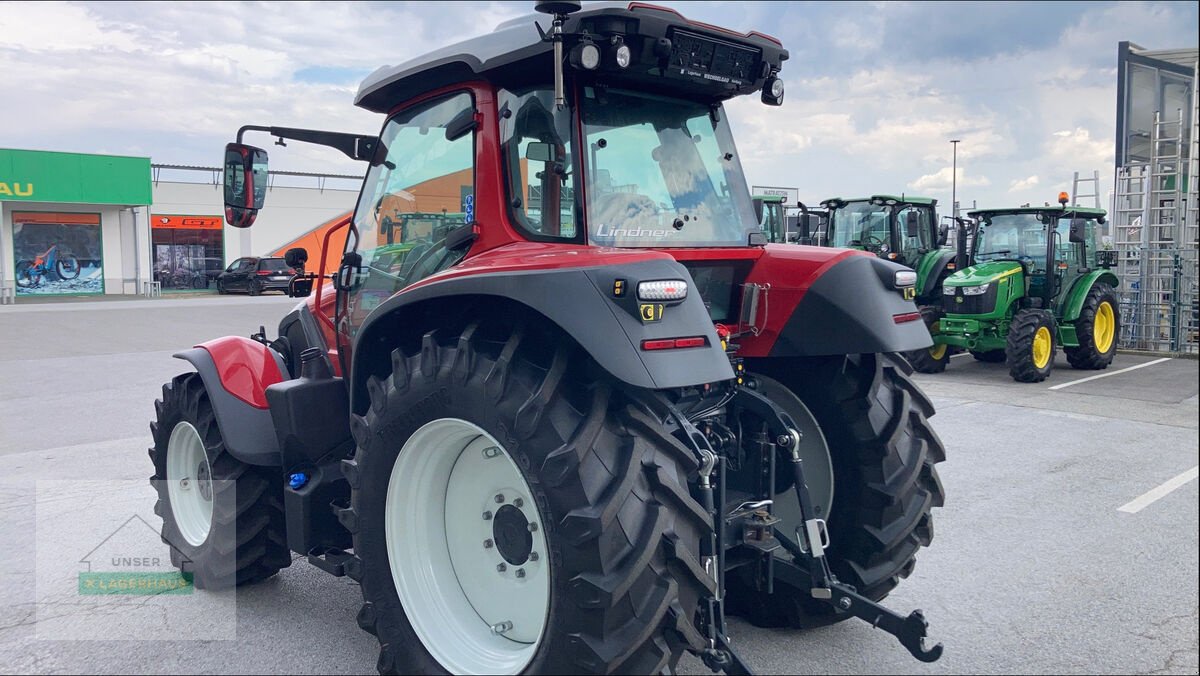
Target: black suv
<point>255,275</point>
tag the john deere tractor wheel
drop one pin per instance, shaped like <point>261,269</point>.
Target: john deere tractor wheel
<point>935,358</point>
<point>866,415</point>
<point>511,515</point>
<point>223,519</point>
<point>1030,350</point>
<point>990,356</point>
<point>1098,329</point>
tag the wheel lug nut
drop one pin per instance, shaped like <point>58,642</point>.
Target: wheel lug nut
<point>532,526</point>
<point>533,556</point>
<point>499,498</point>
<point>500,567</point>
<point>520,572</point>
<point>487,544</point>
<point>487,516</point>
<point>518,503</point>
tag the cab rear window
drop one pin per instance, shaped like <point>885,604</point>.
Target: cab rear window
<point>273,264</point>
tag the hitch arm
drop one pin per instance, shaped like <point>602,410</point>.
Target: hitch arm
<point>911,631</point>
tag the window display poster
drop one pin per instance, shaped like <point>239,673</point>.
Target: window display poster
<point>57,253</point>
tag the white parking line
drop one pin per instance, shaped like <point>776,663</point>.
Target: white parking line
<point>960,354</point>
<point>1149,497</point>
<point>1109,373</point>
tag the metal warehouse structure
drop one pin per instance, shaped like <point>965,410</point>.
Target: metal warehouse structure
<point>1154,211</point>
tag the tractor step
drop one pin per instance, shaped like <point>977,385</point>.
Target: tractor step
<point>330,560</point>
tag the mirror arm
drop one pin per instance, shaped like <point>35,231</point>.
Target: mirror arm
<point>354,146</point>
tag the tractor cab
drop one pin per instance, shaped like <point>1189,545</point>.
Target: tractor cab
<point>772,217</point>
<point>900,229</point>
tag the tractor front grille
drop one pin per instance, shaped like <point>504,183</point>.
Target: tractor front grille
<point>962,304</point>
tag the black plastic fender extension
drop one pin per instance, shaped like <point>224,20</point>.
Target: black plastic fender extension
<point>605,318</point>
<point>249,432</point>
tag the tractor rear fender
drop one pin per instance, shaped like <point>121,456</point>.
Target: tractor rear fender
<point>236,372</point>
<point>831,302</point>
<point>931,269</point>
<point>588,304</point>
<point>1079,291</point>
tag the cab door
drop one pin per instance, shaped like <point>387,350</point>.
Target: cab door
<point>425,164</point>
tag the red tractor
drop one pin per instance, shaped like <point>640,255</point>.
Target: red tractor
<point>570,429</point>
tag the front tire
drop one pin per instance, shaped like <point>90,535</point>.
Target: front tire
<point>223,519</point>
<point>619,531</point>
<point>1031,346</point>
<point>932,359</point>
<point>253,288</point>
<point>67,267</point>
<point>875,421</point>
<point>1098,330</point>
<point>24,275</point>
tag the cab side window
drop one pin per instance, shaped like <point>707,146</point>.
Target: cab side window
<point>537,145</point>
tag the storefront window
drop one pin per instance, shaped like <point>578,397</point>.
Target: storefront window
<point>188,251</point>
<point>57,253</point>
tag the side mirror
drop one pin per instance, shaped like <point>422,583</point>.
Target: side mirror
<point>943,235</point>
<point>245,183</point>
<point>461,124</point>
<point>912,224</point>
<point>1078,231</point>
<point>301,286</point>
<point>758,210</point>
<point>296,258</point>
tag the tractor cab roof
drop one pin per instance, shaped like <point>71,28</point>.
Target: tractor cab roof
<point>1082,211</point>
<point>837,202</point>
<point>670,55</point>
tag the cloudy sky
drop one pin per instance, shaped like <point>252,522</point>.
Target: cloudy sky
<point>874,90</point>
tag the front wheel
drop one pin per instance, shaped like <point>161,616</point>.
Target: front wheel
<point>1031,346</point>
<point>223,519</point>
<point>872,422</point>
<point>253,288</point>
<point>67,267</point>
<point>513,515</point>
<point>1098,330</point>
<point>932,359</point>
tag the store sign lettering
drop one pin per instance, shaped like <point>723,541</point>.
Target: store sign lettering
<point>15,190</point>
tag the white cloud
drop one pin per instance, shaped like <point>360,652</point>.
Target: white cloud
<point>940,181</point>
<point>1076,147</point>
<point>1021,184</point>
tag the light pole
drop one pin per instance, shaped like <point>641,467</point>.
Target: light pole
<point>954,178</point>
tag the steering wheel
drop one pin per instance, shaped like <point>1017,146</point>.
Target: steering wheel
<point>872,243</point>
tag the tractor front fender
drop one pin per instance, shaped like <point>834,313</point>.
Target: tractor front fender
<point>236,372</point>
<point>1079,291</point>
<point>586,303</point>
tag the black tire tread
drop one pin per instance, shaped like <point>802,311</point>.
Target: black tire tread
<point>922,360</point>
<point>1019,351</point>
<point>1086,356</point>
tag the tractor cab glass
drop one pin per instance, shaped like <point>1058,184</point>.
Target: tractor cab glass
<point>661,172</point>
<point>538,164</point>
<point>861,224</point>
<point>915,227</point>
<point>773,223</point>
<point>420,187</point>
<point>1020,237</point>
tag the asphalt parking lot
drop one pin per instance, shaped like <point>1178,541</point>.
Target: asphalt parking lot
<point>1060,548</point>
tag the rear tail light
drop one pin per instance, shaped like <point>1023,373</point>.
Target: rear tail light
<point>265,272</point>
<point>906,317</point>
<point>674,343</point>
<point>665,289</point>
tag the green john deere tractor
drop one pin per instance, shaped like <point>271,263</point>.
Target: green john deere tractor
<point>1038,282</point>
<point>905,230</point>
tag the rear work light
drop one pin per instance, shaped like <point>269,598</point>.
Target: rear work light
<point>666,289</point>
<point>674,343</point>
<point>904,278</point>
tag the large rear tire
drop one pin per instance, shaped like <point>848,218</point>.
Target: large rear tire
<point>932,359</point>
<point>223,519</point>
<point>875,421</point>
<point>619,535</point>
<point>1031,346</point>
<point>1098,330</point>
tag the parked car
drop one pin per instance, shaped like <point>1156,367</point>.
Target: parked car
<point>255,275</point>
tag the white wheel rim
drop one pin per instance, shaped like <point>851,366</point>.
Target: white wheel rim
<point>477,604</point>
<point>189,484</point>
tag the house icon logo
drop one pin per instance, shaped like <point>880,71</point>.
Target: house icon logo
<point>132,561</point>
